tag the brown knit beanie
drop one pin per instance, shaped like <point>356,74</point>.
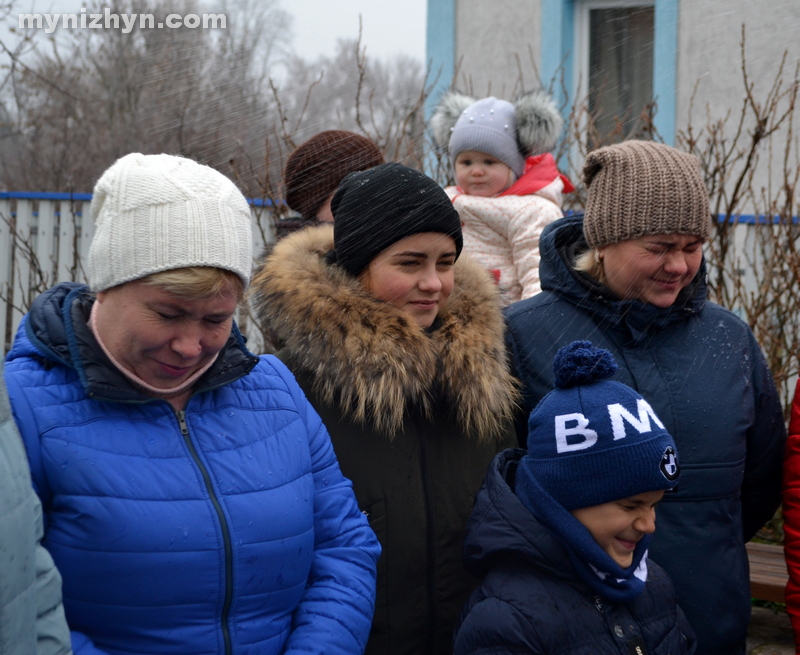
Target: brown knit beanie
<point>314,170</point>
<point>636,188</point>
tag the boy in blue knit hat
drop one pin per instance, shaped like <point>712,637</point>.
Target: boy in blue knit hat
<point>560,533</point>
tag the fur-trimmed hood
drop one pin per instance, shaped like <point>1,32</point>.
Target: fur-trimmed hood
<point>368,358</point>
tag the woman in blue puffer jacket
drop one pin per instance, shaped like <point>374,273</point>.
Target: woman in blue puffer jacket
<point>192,500</point>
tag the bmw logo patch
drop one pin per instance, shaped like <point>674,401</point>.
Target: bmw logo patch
<point>669,464</point>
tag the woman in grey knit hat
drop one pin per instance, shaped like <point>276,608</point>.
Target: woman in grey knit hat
<point>629,275</point>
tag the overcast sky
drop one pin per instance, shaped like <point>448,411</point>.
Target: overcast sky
<point>389,26</point>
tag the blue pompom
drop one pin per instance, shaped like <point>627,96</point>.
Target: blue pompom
<point>581,363</point>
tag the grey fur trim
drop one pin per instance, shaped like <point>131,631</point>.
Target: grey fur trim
<point>538,121</point>
<point>450,107</point>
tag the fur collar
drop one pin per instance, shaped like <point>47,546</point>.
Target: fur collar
<point>369,358</point>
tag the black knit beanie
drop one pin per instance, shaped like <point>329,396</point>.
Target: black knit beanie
<point>375,208</point>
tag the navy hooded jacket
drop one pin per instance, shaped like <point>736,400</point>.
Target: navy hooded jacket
<point>703,373</point>
<point>532,600</point>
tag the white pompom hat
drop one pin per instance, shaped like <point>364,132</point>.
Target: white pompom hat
<point>157,213</point>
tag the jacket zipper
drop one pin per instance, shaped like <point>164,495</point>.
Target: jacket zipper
<point>430,538</point>
<point>226,537</point>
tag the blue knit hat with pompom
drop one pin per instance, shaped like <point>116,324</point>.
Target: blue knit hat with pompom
<point>593,440</point>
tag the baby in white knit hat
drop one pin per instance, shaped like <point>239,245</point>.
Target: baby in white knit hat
<point>508,187</point>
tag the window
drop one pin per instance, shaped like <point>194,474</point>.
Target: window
<point>614,64</point>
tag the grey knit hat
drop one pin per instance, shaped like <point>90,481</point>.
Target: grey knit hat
<point>533,121</point>
<point>157,213</point>
<point>637,188</point>
<point>488,126</point>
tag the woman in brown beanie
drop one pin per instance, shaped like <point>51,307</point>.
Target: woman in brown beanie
<point>629,275</point>
<point>398,343</point>
<point>315,168</point>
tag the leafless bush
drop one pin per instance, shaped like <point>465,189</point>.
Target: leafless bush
<point>96,95</point>
<point>381,100</point>
<point>215,98</point>
<point>33,269</point>
<point>751,165</point>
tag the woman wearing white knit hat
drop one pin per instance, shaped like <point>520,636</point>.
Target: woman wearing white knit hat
<point>192,499</point>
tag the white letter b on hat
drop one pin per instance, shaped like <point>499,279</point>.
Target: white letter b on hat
<point>563,433</point>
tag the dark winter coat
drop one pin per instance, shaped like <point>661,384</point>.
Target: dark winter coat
<point>224,528</point>
<point>415,417</point>
<point>532,601</point>
<point>704,375</point>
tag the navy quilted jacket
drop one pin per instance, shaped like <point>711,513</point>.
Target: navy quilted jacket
<point>532,601</point>
<point>225,528</point>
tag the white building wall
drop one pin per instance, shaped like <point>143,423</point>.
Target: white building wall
<point>709,38</point>
<point>710,67</point>
<point>489,38</point>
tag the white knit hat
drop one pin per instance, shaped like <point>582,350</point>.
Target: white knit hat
<point>160,212</point>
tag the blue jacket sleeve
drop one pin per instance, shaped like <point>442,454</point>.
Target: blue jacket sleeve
<point>335,613</point>
<point>766,441</point>
<point>82,645</point>
<point>31,612</point>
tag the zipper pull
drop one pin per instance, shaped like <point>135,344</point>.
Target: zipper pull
<point>598,603</point>
<point>182,422</point>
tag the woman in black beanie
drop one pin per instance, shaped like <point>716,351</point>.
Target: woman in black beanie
<point>398,343</point>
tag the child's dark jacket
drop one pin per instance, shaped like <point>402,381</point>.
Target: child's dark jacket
<point>531,600</point>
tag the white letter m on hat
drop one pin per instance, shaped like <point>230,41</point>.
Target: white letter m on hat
<point>619,414</point>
